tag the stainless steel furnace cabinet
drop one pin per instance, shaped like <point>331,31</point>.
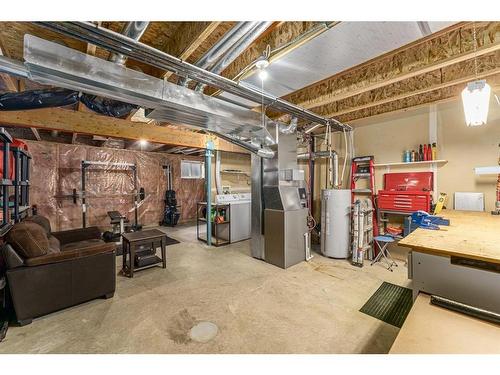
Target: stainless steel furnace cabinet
<point>285,236</point>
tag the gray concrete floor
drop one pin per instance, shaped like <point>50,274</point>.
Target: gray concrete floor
<point>258,308</point>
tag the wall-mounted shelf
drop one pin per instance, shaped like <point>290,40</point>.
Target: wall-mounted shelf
<point>234,171</point>
<point>403,164</point>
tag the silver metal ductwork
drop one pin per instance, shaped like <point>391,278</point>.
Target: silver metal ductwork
<point>256,29</point>
<point>214,54</point>
<point>53,64</point>
<point>118,43</point>
<point>13,67</point>
<point>133,30</point>
<point>291,128</point>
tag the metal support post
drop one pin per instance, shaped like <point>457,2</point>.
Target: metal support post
<point>84,206</point>
<point>208,185</point>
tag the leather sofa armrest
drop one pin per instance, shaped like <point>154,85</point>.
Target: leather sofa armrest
<point>69,255</point>
<point>77,235</point>
<point>11,257</point>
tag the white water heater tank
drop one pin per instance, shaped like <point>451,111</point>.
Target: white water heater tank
<point>335,222</point>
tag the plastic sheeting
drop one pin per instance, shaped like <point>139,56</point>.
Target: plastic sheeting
<point>34,99</point>
<point>106,106</point>
<point>56,171</point>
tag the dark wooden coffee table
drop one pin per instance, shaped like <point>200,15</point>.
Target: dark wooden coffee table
<point>132,240</point>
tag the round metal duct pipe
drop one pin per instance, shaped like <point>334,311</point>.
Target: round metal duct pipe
<point>133,30</point>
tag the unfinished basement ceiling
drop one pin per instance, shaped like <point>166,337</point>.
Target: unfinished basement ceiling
<point>345,45</point>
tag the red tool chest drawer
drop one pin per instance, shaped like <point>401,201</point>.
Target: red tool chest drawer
<point>409,201</point>
<point>406,192</point>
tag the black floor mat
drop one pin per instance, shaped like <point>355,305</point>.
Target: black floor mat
<point>390,303</point>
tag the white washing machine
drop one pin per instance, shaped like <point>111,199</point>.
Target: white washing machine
<point>240,219</point>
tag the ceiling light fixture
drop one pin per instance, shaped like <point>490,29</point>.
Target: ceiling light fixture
<point>262,63</point>
<point>143,142</point>
<point>476,96</point>
<point>263,74</point>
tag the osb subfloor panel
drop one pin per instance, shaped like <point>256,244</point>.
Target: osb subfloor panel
<point>258,308</point>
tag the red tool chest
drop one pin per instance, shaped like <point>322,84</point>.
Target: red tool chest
<point>406,192</point>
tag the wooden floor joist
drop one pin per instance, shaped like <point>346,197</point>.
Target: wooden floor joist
<point>92,124</point>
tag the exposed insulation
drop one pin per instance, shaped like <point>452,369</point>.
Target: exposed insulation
<point>422,84</point>
<point>56,171</point>
<point>405,60</point>
<point>12,37</point>
<point>208,43</point>
<point>280,35</point>
<point>440,95</point>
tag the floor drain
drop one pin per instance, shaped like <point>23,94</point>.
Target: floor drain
<point>203,332</point>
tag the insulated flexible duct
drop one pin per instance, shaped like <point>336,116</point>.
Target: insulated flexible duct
<point>36,99</point>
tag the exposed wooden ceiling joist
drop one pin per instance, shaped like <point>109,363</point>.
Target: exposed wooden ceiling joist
<point>488,66</point>
<point>88,123</point>
<point>282,38</point>
<point>188,39</point>
<point>413,102</point>
<point>419,68</point>
<point>277,35</point>
<point>10,82</point>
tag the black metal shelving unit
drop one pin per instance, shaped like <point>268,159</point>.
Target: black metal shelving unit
<point>21,183</point>
<point>5,181</point>
<point>200,220</point>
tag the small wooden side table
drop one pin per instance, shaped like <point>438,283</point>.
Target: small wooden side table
<point>132,240</point>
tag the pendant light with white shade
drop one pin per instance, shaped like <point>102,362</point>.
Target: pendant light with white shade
<point>476,96</point>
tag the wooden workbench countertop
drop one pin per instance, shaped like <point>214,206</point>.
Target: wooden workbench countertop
<point>431,329</point>
<point>474,235</point>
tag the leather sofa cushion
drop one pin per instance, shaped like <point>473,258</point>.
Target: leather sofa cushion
<point>28,239</point>
<point>81,244</point>
<point>76,235</point>
<point>42,221</point>
<point>64,255</point>
<point>54,245</point>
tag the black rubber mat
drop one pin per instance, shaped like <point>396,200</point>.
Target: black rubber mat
<point>390,303</point>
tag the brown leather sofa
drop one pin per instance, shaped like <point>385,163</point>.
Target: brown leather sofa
<point>49,271</point>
